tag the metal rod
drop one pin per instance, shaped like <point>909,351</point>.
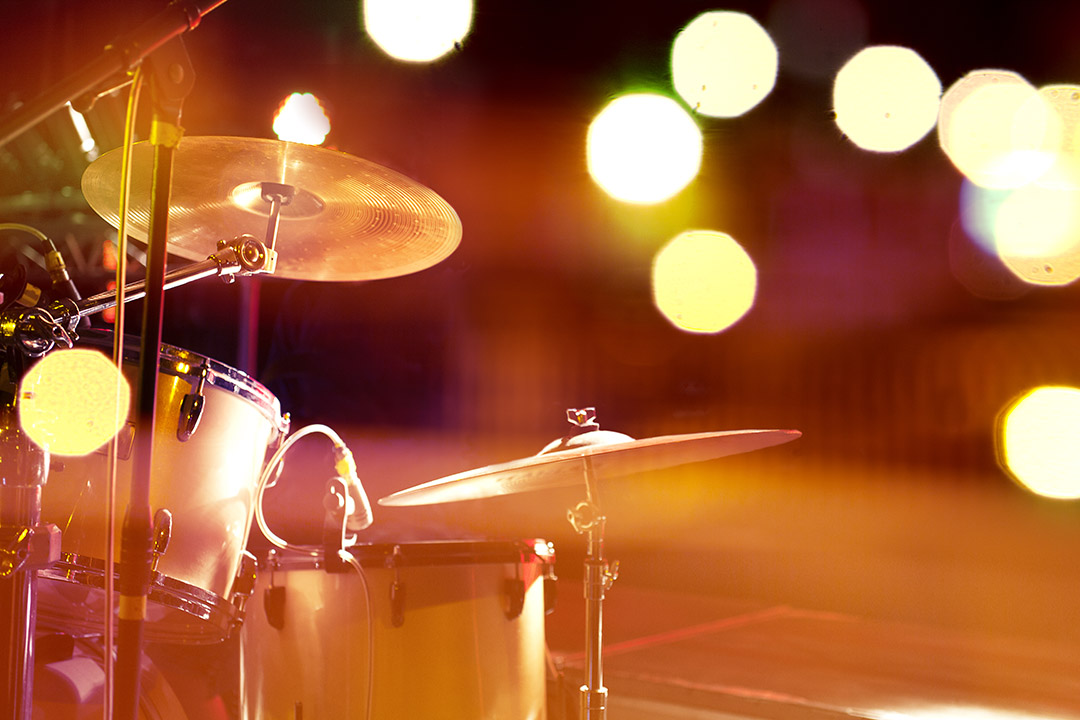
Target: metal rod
<point>18,607</point>
<point>593,692</point>
<point>136,536</point>
<point>136,290</point>
<point>23,470</point>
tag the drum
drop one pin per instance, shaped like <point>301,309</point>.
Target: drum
<point>73,688</point>
<point>206,467</point>
<point>427,630</point>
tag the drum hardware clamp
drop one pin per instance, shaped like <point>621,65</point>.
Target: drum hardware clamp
<point>244,585</point>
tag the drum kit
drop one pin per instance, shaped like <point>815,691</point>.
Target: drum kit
<point>341,630</point>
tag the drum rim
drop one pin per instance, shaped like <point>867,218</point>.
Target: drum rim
<point>181,363</point>
<point>213,611</point>
<point>421,553</point>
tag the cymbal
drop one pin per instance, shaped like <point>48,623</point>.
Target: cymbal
<point>350,219</point>
<point>611,454</point>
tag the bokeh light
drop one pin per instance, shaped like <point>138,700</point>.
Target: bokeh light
<point>301,118</point>
<point>997,130</point>
<point>1063,140</point>
<point>643,148</point>
<point>1034,231</point>
<point>1037,442</point>
<point>886,98</point>
<point>73,401</point>
<point>703,281</point>
<point>723,63</point>
<point>1037,234</point>
<point>417,30</point>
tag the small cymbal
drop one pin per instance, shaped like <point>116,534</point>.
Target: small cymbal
<point>611,454</point>
<point>350,219</point>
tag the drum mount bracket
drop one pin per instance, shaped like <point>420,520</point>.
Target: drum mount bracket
<point>26,548</point>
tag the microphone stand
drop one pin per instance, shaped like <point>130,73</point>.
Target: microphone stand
<point>171,79</point>
<point>118,58</point>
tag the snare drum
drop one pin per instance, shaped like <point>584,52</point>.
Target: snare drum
<point>430,630</point>
<point>206,467</point>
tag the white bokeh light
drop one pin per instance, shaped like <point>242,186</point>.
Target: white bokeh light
<point>886,98</point>
<point>723,63</point>
<point>997,130</point>
<point>643,148</point>
<point>417,30</point>
<point>301,118</point>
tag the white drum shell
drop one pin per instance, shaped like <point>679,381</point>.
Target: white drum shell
<point>207,482</point>
<point>456,655</point>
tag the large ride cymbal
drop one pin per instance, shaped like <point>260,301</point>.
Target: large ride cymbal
<point>350,219</point>
<point>611,455</point>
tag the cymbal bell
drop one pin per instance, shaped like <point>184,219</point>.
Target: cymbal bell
<point>350,219</point>
<point>611,455</point>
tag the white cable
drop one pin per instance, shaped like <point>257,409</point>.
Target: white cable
<point>348,557</point>
<point>344,465</point>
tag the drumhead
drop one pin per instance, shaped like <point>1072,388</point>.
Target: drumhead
<point>177,611</point>
<point>188,365</point>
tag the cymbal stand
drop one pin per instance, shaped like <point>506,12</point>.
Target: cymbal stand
<point>586,518</point>
<point>25,546</point>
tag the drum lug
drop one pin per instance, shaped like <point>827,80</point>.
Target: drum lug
<point>274,597</point>
<point>397,604</point>
<point>244,584</point>
<point>191,407</point>
<point>551,589</point>
<point>162,535</point>
<point>397,590</point>
<point>515,597</point>
<point>274,606</point>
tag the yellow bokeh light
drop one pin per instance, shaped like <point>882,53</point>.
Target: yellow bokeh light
<point>643,148</point>
<point>886,98</point>
<point>1038,441</point>
<point>301,118</point>
<point>417,30</point>
<point>997,130</point>
<point>703,281</point>
<point>723,63</point>
<point>73,401</point>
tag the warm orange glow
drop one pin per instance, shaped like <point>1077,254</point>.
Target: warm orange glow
<point>886,98</point>
<point>301,118</point>
<point>643,148</point>
<point>1038,441</point>
<point>723,63</point>
<point>73,401</point>
<point>997,129</point>
<point>703,281</point>
<point>417,30</point>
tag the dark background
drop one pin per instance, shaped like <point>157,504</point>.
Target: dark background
<point>879,329</point>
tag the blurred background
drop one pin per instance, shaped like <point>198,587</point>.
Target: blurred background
<point>882,325</point>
